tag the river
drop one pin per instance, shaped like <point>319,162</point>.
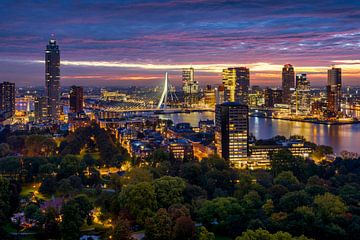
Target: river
<point>340,137</point>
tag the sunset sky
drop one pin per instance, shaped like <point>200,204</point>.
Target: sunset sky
<point>132,42</point>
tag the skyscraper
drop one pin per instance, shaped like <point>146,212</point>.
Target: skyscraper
<point>232,132</point>
<point>52,78</point>
<point>190,85</point>
<point>333,89</point>
<point>288,82</point>
<point>272,97</point>
<point>7,100</point>
<point>301,98</point>
<point>76,99</point>
<point>236,82</point>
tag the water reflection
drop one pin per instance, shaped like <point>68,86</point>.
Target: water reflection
<point>341,137</point>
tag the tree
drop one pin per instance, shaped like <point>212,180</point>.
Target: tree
<point>329,206</point>
<point>4,149</point>
<point>218,210</point>
<point>292,200</point>
<point>74,212</point>
<point>285,161</point>
<point>121,230</point>
<point>139,199</point>
<point>70,165</point>
<point>159,227</point>
<point>169,190</point>
<point>184,228</point>
<point>286,179</point>
<point>203,234</point>
<point>261,234</point>
<point>48,186</point>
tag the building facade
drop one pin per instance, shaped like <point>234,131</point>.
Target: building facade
<point>52,79</point>
<point>190,85</point>
<point>236,82</point>
<point>7,100</point>
<point>288,82</point>
<point>272,97</point>
<point>301,98</point>
<point>333,89</point>
<point>76,99</point>
<point>232,132</point>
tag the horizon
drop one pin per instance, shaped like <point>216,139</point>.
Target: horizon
<point>117,44</point>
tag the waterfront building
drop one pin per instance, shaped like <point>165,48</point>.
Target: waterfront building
<point>301,98</point>
<point>272,97</point>
<point>7,100</point>
<point>288,82</point>
<point>236,82</point>
<point>232,132</point>
<point>209,96</point>
<point>260,154</point>
<point>52,79</point>
<point>333,89</point>
<point>76,99</point>
<point>190,85</point>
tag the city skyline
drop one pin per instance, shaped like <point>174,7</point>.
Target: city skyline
<point>134,43</point>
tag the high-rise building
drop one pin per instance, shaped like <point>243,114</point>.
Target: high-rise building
<point>333,89</point>
<point>52,79</point>
<point>41,109</point>
<point>272,97</point>
<point>7,100</point>
<point>301,98</point>
<point>220,94</point>
<point>209,96</point>
<point>236,82</point>
<point>190,85</point>
<point>76,99</point>
<point>288,82</point>
<point>232,132</point>
<point>302,83</point>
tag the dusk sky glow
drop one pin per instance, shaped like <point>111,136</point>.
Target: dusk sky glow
<point>134,42</point>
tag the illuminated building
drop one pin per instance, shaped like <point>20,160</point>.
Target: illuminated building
<point>231,132</point>
<point>272,97</point>
<point>333,90</point>
<point>209,96</point>
<point>76,99</point>
<point>288,81</point>
<point>220,94</point>
<point>52,79</point>
<point>260,155</point>
<point>180,149</point>
<point>41,109</point>
<point>7,100</point>
<point>236,82</point>
<point>301,98</point>
<point>190,86</point>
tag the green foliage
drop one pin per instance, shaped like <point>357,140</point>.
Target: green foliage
<point>169,190</point>
<point>139,199</point>
<point>159,227</point>
<point>121,230</point>
<point>329,206</point>
<point>218,210</point>
<point>261,234</point>
<point>286,179</point>
<point>203,234</point>
<point>74,213</point>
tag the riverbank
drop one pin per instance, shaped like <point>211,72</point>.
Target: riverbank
<point>310,120</point>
